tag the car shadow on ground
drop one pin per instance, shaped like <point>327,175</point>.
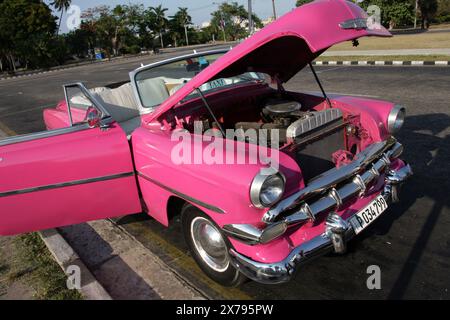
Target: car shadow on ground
<point>116,276</point>
<point>428,152</point>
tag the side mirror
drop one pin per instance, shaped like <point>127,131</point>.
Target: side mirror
<point>93,117</point>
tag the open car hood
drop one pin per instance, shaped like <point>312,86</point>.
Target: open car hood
<point>285,46</point>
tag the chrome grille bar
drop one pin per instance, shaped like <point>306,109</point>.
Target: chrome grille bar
<point>373,159</point>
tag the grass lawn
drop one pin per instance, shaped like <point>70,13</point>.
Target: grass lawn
<point>410,41</point>
<point>28,271</point>
<point>440,26</point>
<point>385,58</point>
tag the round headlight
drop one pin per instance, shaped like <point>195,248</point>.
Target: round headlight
<point>396,118</point>
<point>267,189</point>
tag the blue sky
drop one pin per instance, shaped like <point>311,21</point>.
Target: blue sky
<point>200,10</point>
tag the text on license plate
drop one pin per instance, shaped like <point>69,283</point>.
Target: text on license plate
<point>366,216</point>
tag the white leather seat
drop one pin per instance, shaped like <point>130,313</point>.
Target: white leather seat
<point>153,91</point>
<point>121,105</point>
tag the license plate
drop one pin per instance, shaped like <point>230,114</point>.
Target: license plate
<point>369,214</point>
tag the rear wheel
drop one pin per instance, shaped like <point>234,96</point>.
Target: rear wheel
<point>209,247</point>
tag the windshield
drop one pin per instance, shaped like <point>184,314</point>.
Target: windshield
<point>156,83</point>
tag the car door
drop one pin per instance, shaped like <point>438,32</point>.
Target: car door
<point>69,175</point>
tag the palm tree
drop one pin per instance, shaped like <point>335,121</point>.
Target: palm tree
<point>186,19</point>
<point>180,22</point>
<point>160,21</point>
<point>61,5</point>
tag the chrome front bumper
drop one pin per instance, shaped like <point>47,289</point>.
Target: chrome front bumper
<point>338,233</point>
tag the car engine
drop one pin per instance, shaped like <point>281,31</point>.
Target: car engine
<point>311,137</point>
<point>288,118</point>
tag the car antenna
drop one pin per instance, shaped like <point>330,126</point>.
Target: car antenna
<point>210,111</point>
<point>320,85</point>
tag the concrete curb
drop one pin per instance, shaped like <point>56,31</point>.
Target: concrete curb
<point>65,256</point>
<point>381,63</point>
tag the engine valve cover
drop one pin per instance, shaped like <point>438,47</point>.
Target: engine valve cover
<point>312,121</point>
<point>282,108</point>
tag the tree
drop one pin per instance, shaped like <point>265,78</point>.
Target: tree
<point>26,30</point>
<point>393,12</point>
<point>233,19</point>
<point>178,25</point>
<point>160,21</point>
<point>443,13</point>
<point>428,9</point>
<point>61,6</point>
<point>115,30</point>
<point>80,41</point>
<point>302,2</point>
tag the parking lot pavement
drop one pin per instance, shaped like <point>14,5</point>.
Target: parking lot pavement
<point>410,243</point>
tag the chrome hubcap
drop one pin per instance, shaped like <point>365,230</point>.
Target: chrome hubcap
<point>209,244</point>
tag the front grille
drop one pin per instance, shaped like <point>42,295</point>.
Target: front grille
<point>336,186</point>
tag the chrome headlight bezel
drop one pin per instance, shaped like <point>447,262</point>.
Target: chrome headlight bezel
<point>259,182</point>
<point>396,118</point>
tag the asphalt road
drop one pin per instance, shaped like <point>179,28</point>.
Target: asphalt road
<point>410,243</point>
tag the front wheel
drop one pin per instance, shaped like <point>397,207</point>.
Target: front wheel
<point>209,247</point>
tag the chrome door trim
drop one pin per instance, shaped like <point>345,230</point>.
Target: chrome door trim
<point>65,184</point>
<point>88,94</point>
<point>47,134</point>
<point>182,195</point>
<point>105,120</point>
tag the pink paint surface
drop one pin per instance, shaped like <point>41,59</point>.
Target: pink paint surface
<point>60,159</point>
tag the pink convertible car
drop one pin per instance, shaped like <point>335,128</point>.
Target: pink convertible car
<point>161,144</point>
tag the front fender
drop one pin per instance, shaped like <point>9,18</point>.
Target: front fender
<point>373,114</point>
<point>220,190</point>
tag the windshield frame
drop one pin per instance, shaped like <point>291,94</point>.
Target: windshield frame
<point>144,109</point>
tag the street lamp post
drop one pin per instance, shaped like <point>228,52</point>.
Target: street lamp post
<point>185,32</point>
<point>274,10</point>
<point>222,22</point>
<point>250,19</point>
<point>415,14</point>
